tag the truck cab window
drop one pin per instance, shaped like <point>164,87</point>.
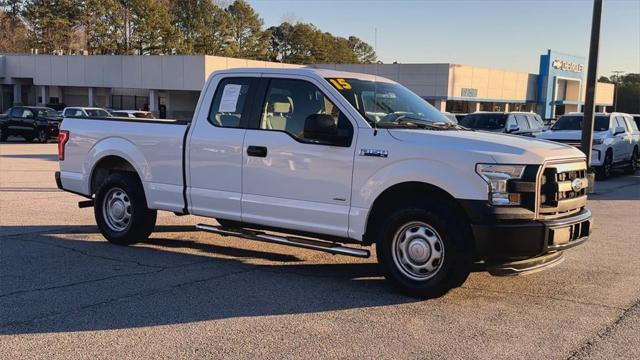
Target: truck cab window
<point>229,103</point>
<point>17,112</point>
<point>289,104</point>
<point>522,122</point>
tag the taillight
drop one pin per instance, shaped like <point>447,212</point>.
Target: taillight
<point>63,137</point>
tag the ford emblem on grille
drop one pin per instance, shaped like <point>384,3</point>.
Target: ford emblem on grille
<point>576,185</point>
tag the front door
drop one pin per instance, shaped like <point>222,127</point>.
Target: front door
<point>290,181</point>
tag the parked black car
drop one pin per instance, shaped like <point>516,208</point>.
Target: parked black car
<point>517,123</point>
<point>30,122</point>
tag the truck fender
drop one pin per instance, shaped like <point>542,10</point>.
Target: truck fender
<point>458,182</point>
<point>115,146</point>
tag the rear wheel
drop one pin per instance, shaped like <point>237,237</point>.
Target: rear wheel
<point>121,210</point>
<point>633,163</point>
<point>3,135</point>
<point>424,251</point>
<point>604,171</point>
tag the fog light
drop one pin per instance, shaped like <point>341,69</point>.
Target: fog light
<point>505,199</point>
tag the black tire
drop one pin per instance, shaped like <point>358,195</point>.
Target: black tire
<point>453,266</point>
<point>42,136</point>
<point>604,171</point>
<point>28,138</point>
<point>3,135</point>
<point>128,220</point>
<point>633,163</point>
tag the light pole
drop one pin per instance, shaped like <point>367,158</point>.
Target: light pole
<point>589,102</point>
<point>616,83</point>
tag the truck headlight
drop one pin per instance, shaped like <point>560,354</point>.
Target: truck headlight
<point>598,141</point>
<point>497,177</point>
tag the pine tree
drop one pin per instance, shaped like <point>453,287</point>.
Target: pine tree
<point>52,24</point>
<point>203,24</point>
<point>13,32</point>
<point>363,51</point>
<point>247,39</point>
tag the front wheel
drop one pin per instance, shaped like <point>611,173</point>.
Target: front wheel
<point>121,210</point>
<point>633,163</point>
<point>423,251</point>
<point>604,171</point>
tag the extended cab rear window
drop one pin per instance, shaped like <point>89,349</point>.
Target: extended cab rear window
<point>229,102</point>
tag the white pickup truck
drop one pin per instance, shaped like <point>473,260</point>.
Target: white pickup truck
<point>323,159</point>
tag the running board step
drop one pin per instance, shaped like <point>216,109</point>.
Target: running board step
<point>333,248</point>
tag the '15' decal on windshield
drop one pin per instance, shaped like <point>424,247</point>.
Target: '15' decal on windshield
<point>340,84</point>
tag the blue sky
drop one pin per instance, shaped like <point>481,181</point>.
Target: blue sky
<point>502,34</point>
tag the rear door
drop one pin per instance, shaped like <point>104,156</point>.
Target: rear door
<point>289,181</point>
<point>635,132</point>
<point>622,143</point>
<point>215,150</point>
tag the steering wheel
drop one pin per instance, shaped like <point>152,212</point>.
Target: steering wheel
<point>393,116</point>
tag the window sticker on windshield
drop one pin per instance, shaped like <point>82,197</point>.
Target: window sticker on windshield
<point>230,96</point>
<point>340,84</point>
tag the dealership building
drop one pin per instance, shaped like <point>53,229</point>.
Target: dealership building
<point>170,85</point>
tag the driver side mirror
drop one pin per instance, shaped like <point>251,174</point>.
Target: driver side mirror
<point>513,128</point>
<point>619,130</point>
<point>322,129</point>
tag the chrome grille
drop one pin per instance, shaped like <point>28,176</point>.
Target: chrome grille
<point>556,194</point>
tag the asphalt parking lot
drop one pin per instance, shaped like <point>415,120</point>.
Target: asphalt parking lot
<point>67,293</point>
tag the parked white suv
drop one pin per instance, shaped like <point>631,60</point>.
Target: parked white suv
<point>616,140</point>
<point>82,111</point>
<point>317,159</point>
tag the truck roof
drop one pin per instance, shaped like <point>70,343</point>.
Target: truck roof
<point>307,71</point>
<point>597,113</point>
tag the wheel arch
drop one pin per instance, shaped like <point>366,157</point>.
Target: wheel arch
<point>402,193</point>
<point>107,165</point>
<point>113,154</point>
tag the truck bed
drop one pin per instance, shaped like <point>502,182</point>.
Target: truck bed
<point>153,147</point>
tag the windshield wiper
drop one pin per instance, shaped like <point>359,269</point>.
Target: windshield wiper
<point>426,123</point>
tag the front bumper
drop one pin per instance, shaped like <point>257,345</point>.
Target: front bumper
<point>520,240</point>
<point>597,155</point>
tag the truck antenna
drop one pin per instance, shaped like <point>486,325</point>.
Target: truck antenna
<point>375,79</point>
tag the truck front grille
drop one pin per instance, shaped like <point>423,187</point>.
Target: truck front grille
<point>557,197</point>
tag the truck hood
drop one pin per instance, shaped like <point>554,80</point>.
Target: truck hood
<point>568,134</point>
<point>502,148</point>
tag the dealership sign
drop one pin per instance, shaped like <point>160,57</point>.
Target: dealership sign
<point>467,92</point>
<point>567,66</point>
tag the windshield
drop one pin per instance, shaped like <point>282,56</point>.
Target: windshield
<point>47,112</point>
<point>574,122</point>
<point>486,121</point>
<point>386,104</point>
<point>97,112</point>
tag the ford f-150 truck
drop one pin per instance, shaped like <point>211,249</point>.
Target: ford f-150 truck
<point>329,160</point>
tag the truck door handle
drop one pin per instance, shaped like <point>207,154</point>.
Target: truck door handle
<point>257,151</point>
